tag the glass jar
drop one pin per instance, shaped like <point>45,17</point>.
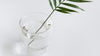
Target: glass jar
<point>35,42</point>
<point>31,43</point>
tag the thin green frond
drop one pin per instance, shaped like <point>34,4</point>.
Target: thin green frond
<point>66,9</point>
<point>62,11</point>
<point>51,4</point>
<point>72,5</point>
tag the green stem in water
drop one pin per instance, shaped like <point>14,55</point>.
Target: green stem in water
<point>45,21</point>
<point>41,26</point>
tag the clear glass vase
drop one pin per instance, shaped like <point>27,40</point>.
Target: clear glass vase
<point>35,42</point>
<point>31,44</point>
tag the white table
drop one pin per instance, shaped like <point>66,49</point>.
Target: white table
<point>77,34</point>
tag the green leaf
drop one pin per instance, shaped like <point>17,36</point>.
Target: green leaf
<point>59,1</point>
<point>72,5</point>
<point>50,4</point>
<point>55,3</point>
<point>66,9</point>
<point>79,1</point>
<point>59,10</point>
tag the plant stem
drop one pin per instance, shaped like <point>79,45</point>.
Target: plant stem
<point>45,21</point>
<point>48,18</point>
<point>41,26</point>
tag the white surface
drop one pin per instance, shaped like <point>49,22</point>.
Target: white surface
<point>77,34</point>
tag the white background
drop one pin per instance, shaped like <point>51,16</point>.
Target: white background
<point>77,34</point>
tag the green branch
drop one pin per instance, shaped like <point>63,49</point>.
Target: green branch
<point>45,21</point>
<point>56,7</point>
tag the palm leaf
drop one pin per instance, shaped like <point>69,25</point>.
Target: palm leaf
<point>66,9</point>
<point>55,3</point>
<point>62,11</point>
<point>50,4</point>
<point>72,5</point>
<point>59,1</point>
